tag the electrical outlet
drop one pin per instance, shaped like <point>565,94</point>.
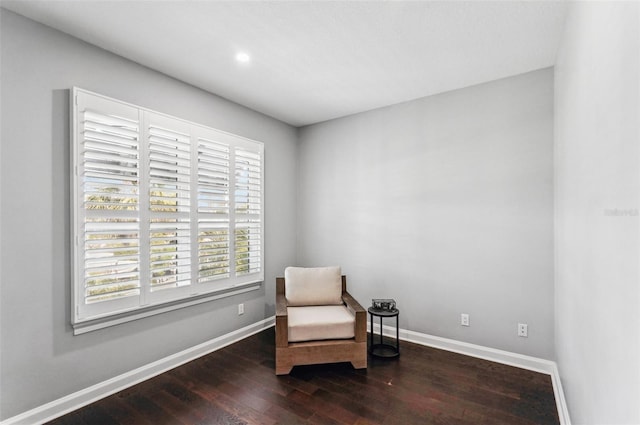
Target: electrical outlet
<point>464,319</point>
<point>240,309</point>
<point>523,330</point>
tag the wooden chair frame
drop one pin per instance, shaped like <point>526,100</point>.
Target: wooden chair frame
<point>289,354</point>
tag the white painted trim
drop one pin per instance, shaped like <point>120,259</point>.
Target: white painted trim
<point>61,406</point>
<point>561,402</point>
<point>140,313</point>
<point>535,364</point>
<point>71,402</point>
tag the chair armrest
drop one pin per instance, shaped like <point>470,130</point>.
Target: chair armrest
<point>351,303</point>
<point>282,321</point>
<point>361,316</point>
<point>281,305</point>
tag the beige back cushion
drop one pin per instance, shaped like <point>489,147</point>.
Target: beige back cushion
<point>313,285</point>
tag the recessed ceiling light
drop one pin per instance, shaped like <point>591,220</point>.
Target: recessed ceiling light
<point>243,57</point>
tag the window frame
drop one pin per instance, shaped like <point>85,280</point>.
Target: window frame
<point>86,316</point>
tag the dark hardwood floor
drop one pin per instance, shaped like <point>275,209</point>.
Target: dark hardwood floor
<point>237,385</point>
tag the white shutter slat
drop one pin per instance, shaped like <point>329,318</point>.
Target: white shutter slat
<point>118,196</point>
<point>175,197</point>
<point>110,260</point>
<point>97,279</point>
<point>175,280</point>
<point>111,188</point>
<point>215,254</point>
<point>164,150</point>
<point>109,178</point>
<point>212,209</point>
<point>213,162</point>
<point>167,175</point>
<point>98,140</point>
<point>109,206</point>
<point>179,157</point>
<point>111,120</point>
<point>220,173</point>
<point>110,169</point>
<point>214,151</point>
<point>165,206</point>
<point>125,151</point>
<point>169,144</point>
<point>110,185</point>
<point>247,181</point>
<point>208,162</point>
<point>214,191</point>
<point>158,132</point>
<point>113,293</point>
<point>171,165</point>
<point>119,156</point>
<point>127,130</point>
<point>100,245</point>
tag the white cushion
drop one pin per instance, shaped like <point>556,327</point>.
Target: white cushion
<point>313,286</point>
<point>320,322</point>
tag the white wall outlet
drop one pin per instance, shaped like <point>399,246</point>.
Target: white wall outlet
<point>240,309</point>
<point>464,319</point>
<point>523,330</point>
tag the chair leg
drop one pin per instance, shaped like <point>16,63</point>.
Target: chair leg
<point>359,358</point>
<point>359,364</point>
<point>283,370</point>
<point>282,367</point>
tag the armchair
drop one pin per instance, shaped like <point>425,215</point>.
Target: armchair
<point>317,320</point>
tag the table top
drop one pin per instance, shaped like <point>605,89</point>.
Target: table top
<point>384,313</point>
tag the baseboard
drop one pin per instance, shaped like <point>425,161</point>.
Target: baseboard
<point>98,391</point>
<point>499,356</point>
<point>61,406</point>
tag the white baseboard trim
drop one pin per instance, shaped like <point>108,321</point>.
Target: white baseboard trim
<point>103,389</point>
<point>499,356</point>
<point>61,406</point>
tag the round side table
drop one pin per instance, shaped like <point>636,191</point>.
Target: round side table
<point>381,349</point>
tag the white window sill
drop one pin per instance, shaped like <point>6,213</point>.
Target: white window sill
<point>139,313</point>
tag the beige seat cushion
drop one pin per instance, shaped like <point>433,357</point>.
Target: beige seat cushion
<point>313,286</point>
<point>320,322</point>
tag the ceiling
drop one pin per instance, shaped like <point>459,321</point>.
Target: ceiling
<point>312,61</point>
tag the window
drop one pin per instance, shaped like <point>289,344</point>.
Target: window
<point>165,212</point>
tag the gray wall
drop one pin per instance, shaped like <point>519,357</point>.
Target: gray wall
<point>41,359</point>
<point>446,205</point>
<point>597,130</point>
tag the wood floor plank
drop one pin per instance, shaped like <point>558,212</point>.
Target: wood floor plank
<point>123,413</point>
<point>237,385</point>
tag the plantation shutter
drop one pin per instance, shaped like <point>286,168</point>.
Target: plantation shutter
<point>213,210</point>
<point>169,145</point>
<point>248,211</point>
<point>164,210</point>
<point>107,170</point>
